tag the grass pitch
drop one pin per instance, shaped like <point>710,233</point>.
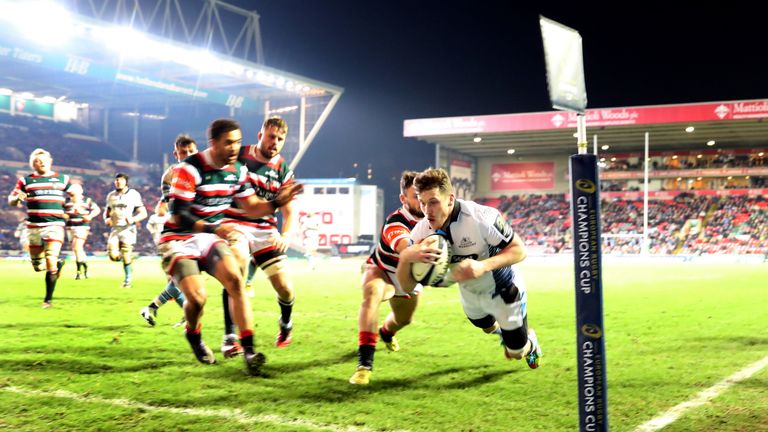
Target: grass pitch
<point>91,363</point>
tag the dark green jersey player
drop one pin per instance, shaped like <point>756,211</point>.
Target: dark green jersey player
<point>44,192</point>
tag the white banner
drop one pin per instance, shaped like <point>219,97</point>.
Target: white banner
<point>565,66</point>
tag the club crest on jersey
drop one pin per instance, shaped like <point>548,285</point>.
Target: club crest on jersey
<point>466,242</point>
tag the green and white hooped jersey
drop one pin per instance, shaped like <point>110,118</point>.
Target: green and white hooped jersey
<point>76,212</point>
<point>46,195</point>
<point>210,190</point>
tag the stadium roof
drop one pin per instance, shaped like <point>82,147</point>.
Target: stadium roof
<point>98,62</point>
<point>735,124</point>
<point>146,56</point>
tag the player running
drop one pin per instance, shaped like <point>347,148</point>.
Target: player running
<point>79,212</point>
<point>124,209</point>
<point>183,147</point>
<point>380,284</point>
<point>44,192</point>
<point>203,186</point>
<point>266,247</point>
<point>484,250</point>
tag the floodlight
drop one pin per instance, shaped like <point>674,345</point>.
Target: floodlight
<point>127,41</point>
<point>43,22</point>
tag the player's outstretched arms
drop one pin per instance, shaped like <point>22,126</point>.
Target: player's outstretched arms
<point>255,207</point>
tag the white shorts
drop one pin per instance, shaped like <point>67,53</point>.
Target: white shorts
<point>196,247</point>
<point>38,236</point>
<point>125,235</point>
<point>509,316</point>
<point>262,249</point>
<point>259,240</point>
<point>24,237</point>
<point>78,232</point>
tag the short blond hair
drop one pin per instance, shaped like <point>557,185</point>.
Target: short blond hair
<point>36,153</point>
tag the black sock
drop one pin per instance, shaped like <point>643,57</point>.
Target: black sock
<point>229,326</point>
<point>285,310</point>
<point>50,285</point>
<point>385,335</point>
<point>193,338</point>
<point>153,306</point>
<point>365,355</point>
<point>85,267</point>
<point>247,343</point>
<point>79,265</point>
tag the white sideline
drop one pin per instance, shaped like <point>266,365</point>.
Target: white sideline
<point>227,414</point>
<point>702,397</point>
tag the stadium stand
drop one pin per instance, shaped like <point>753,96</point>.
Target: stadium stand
<point>685,224</point>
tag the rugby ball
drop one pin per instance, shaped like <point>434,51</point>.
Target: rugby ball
<point>432,274</point>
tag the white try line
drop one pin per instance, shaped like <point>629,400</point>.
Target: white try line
<point>227,414</point>
<point>702,397</point>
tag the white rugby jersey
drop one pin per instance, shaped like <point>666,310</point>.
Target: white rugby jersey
<point>478,232</point>
<point>122,206</point>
